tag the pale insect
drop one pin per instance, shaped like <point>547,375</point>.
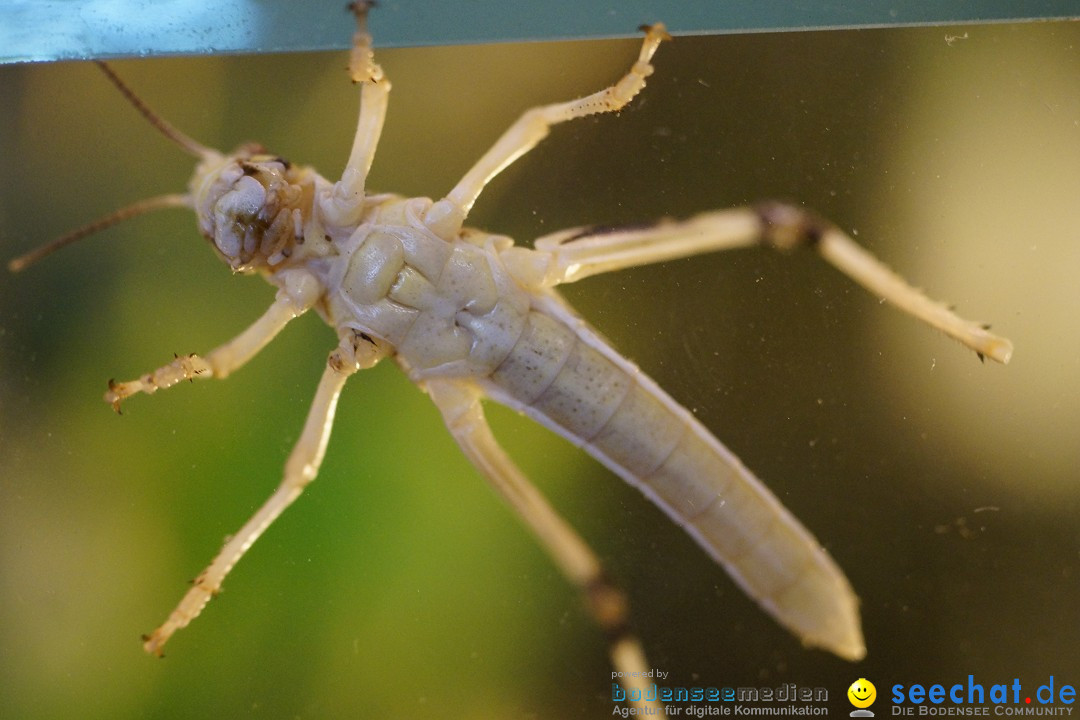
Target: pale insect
<point>470,315</point>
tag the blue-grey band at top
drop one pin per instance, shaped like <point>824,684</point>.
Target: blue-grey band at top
<point>43,30</point>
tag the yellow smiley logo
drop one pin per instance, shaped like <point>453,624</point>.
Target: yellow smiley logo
<point>862,693</point>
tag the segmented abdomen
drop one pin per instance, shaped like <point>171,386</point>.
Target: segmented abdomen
<point>563,375</point>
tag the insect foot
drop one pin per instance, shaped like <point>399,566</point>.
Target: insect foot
<point>786,227</point>
<point>362,66</point>
<point>197,597</point>
<point>184,367</point>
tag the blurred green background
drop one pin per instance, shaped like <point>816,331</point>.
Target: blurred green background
<point>398,586</point>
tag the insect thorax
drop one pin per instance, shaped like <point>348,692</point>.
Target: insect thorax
<point>446,307</point>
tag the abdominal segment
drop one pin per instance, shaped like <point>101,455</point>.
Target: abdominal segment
<point>566,377</point>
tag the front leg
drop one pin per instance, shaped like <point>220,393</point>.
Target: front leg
<point>343,204</point>
<point>351,355</point>
<point>299,291</point>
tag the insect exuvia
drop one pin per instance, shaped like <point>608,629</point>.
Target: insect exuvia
<point>470,315</point>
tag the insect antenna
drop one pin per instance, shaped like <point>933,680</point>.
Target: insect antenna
<point>143,206</point>
<point>190,146</point>
<point>160,202</point>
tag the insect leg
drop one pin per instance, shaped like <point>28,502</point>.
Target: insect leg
<point>344,204</point>
<point>298,293</point>
<point>446,216</point>
<point>460,406</point>
<point>581,252</point>
<point>300,469</point>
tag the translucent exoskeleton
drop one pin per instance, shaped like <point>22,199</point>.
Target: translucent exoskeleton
<point>469,315</point>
